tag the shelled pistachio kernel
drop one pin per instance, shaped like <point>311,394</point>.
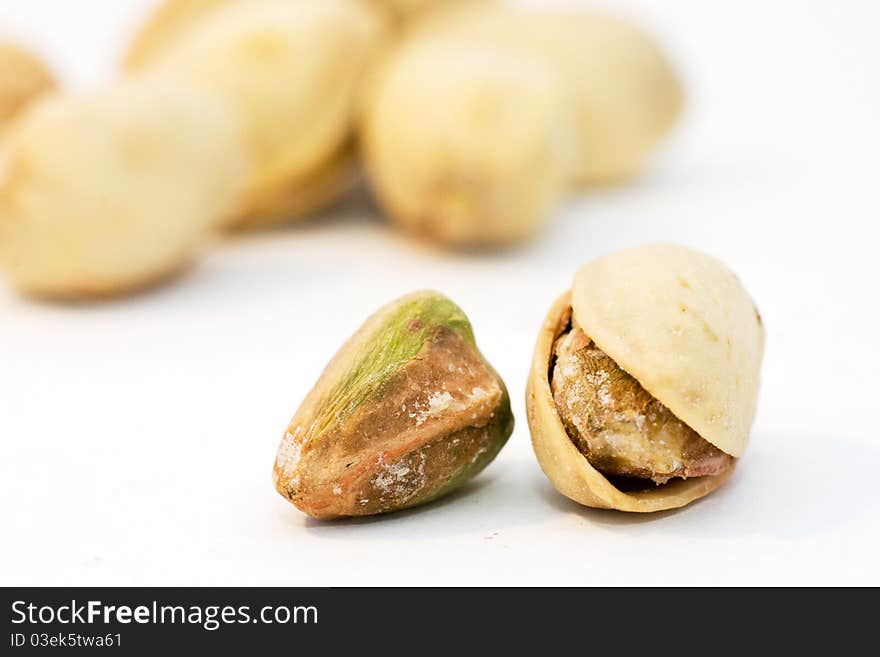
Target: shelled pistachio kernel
<point>407,411</point>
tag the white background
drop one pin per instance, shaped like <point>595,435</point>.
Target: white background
<point>137,438</point>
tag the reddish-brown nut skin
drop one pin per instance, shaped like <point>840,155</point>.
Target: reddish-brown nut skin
<point>405,412</point>
<point>617,425</point>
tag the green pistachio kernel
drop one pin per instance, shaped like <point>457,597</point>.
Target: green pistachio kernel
<point>406,411</point>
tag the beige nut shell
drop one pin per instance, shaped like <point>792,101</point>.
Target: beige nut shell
<point>566,467</point>
<point>292,71</point>
<point>624,94</point>
<point>105,192</point>
<point>682,325</point>
<point>462,142</point>
<point>703,363</point>
<point>306,196</point>
<point>171,20</point>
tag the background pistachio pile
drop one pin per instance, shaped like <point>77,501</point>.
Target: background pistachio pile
<point>471,121</point>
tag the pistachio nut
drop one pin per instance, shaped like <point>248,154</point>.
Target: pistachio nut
<point>170,21</point>
<point>644,381</point>
<point>108,191</point>
<point>291,71</point>
<point>406,411</point>
<point>621,88</point>
<point>464,143</point>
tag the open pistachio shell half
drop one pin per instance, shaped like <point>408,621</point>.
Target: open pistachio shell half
<point>644,380</point>
<point>406,411</point>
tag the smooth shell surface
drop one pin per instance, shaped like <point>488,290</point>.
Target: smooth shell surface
<point>623,92</point>
<point>169,22</point>
<point>565,466</point>
<point>104,192</point>
<point>462,142</point>
<point>292,71</point>
<point>682,325</point>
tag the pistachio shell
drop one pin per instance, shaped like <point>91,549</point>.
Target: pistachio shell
<point>169,22</point>
<point>630,304</point>
<point>105,192</point>
<point>623,92</point>
<point>566,467</point>
<point>291,71</point>
<point>304,197</point>
<point>463,142</point>
<point>405,412</point>
<point>681,324</point>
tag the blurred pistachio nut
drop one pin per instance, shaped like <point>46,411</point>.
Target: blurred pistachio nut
<point>173,19</point>
<point>644,381</point>
<point>169,22</point>
<point>622,90</point>
<point>464,144</point>
<point>291,71</point>
<point>407,411</point>
<point>306,196</point>
<point>105,192</point>
<point>23,78</point>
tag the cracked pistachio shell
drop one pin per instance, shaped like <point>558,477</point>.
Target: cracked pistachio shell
<point>291,71</point>
<point>407,411</point>
<point>682,325</point>
<point>23,78</point>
